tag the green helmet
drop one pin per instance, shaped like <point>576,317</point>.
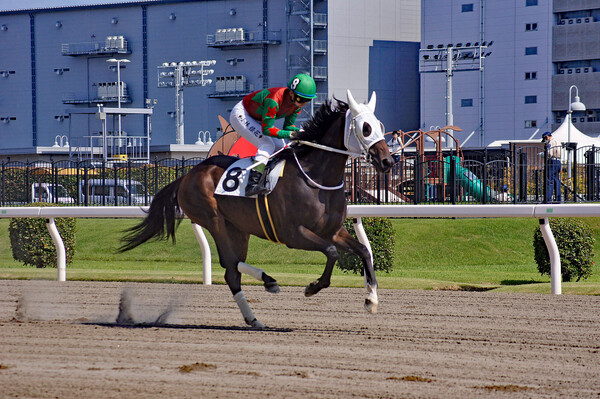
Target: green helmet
<point>303,85</point>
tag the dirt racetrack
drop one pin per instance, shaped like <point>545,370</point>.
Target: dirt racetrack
<point>61,340</point>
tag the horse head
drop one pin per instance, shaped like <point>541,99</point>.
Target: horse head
<point>363,133</point>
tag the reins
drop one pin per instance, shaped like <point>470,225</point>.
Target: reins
<point>314,183</point>
<point>351,130</point>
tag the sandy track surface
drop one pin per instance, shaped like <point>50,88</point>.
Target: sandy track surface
<point>189,341</point>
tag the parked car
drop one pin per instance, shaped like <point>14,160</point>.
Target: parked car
<point>111,191</point>
<point>48,192</point>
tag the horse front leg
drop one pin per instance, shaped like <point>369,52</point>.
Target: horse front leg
<point>345,242</point>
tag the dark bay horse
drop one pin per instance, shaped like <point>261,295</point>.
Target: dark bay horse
<point>306,208</point>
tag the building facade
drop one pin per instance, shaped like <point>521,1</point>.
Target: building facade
<point>535,50</point>
<point>58,65</point>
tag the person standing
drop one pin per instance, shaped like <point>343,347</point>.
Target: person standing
<point>254,117</point>
<point>394,144</point>
<point>553,167</point>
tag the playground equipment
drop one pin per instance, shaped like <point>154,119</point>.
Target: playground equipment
<point>420,173</point>
<point>470,182</point>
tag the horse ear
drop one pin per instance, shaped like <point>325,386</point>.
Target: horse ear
<point>372,102</point>
<point>352,102</point>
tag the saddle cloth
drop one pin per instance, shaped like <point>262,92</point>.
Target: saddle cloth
<point>234,180</point>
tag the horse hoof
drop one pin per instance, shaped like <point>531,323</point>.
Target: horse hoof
<point>312,289</point>
<point>256,324</point>
<point>370,306</point>
<point>272,287</point>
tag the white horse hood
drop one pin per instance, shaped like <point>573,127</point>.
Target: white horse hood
<point>362,128</point>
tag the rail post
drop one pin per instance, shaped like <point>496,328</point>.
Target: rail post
<point>555,267</point>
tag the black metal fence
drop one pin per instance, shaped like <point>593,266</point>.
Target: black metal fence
<point>513,176</point>
<point>518,175</point>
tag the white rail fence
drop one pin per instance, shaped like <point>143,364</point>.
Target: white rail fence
<point>539,211</point>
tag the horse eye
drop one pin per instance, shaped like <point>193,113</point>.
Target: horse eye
<point>366,130</point>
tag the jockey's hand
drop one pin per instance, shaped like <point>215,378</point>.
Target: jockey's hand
<point>294,135</point>
<point>292,128</point>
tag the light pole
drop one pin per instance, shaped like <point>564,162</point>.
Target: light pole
<point>180,75</point>
<point>576,105</point>
<point>119,85</point>
<point>449,59</point>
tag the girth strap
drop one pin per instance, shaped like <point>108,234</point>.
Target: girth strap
<point>263,212</point>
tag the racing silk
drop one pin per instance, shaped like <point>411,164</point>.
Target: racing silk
<point>266,105</point>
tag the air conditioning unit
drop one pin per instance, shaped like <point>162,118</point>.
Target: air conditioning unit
<point>240,83</point>
<point>561,71</point>
<point>579,20</point>
<point>230,34</point>
<point>220,84</point>
<point>587,70</point>
<point>229,83</point>
<point>562,21</point>
<point>571,21</point>
<point>569,70</point>
<point>587,20</point>
<point>220,36</point>
<point>120,42</point>
<point>239,36</point>
<point>577,70</point>
<point>102,90</point>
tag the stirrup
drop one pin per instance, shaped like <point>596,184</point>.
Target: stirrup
<point>257,184</point>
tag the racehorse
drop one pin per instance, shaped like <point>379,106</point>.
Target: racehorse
<point>305,210</point>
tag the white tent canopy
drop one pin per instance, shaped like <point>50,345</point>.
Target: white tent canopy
<point>564,134</point>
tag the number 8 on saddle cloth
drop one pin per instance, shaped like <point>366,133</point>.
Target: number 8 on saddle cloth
<point>234,180</point>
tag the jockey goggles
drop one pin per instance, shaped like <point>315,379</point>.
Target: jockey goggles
<point>301,100</point>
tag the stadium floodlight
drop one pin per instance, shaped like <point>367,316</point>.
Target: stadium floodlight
<point>179,75</point>
<point>450,59</point>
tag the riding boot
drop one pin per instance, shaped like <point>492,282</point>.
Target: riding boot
<point>257,181</point>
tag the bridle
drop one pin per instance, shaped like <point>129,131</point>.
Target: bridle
<point>350,129</point>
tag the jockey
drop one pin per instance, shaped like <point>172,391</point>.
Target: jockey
<point>254,119</point>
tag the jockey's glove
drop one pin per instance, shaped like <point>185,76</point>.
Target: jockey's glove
<point>292,128</point>
<point>294,135</point>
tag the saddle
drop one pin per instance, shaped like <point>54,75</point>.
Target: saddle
<point>235,179</point>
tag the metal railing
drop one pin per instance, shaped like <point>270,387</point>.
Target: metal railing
<point>517,176</point>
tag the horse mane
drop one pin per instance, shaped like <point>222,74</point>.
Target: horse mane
<point>322,120</point>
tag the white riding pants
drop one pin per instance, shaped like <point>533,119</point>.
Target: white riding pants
<point>251,129</point>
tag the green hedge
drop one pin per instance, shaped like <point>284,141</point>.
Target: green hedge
<point>380,233</point>
<point>575,244</point>
<point>32,244</point>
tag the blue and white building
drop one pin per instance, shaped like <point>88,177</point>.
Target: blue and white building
<point>59,64</point>
<point>536,49</point>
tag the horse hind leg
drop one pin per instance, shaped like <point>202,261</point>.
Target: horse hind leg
<point>232,246</point>
<point>308,240</point>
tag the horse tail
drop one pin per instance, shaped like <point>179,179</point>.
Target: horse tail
<point>162,220</point>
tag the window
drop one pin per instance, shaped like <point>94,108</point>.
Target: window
<point>530,75</point>
<point>530,50</point>
<point>531,27</point>
<point>466,102</point>
<point>467,8</point>
<point>529,3</point>
<point>530,124</point>
<point>530,99</point>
